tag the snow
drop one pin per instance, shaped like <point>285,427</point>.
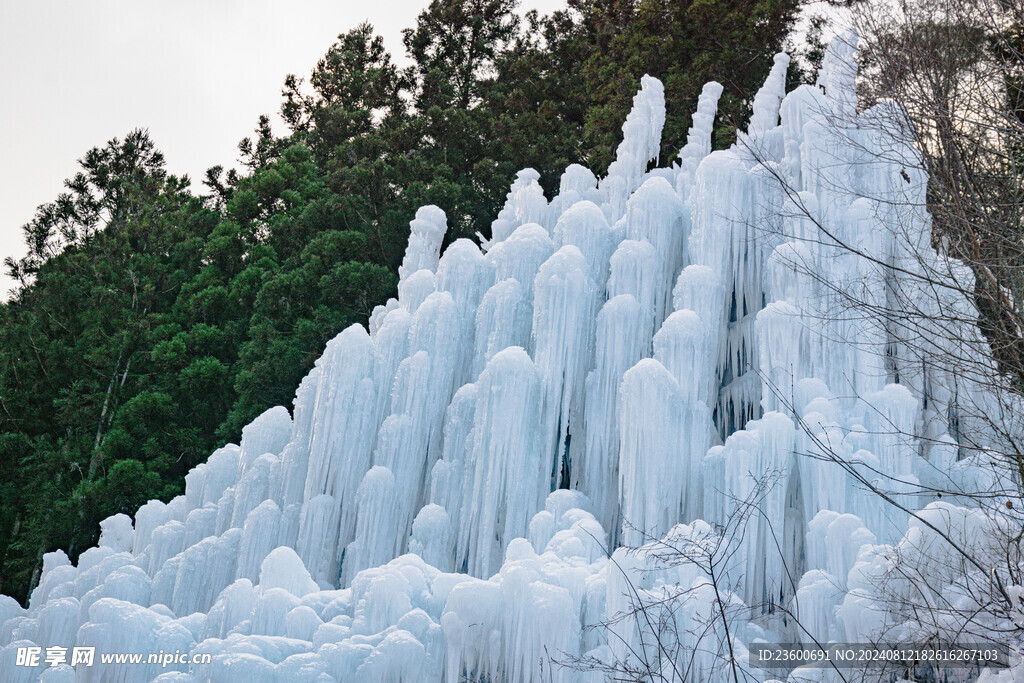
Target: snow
<point>499,460</point>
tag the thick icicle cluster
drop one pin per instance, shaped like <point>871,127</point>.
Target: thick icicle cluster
<point>631,360</point>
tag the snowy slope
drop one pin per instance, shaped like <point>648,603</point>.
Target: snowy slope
<point>647,355</point>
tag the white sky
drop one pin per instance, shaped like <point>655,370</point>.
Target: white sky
<point>196,73</point>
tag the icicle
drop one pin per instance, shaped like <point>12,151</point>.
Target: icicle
<point>525,203</point>
<point>759,139</point>
<point>681,345</point>
<point>641,142</point>
<point>391,347</point>
<point>577,183</point>
<point>621,342</point>
<point>254,487</point>
<point>652,475</point>
<point>698,137</point>
<point>427,232</point>
<point>259,537</point>
<point>432,537</point>
<point>838,75</point>
<point>635,271</point>
<point>509,474</point>
<point>466,274</point>
<point>376,539</point>
<point>449,478</point>
<point>268,433</point>
<point>319,521</point>
<point>151,516</point>
<point>520,256</point>
<point>655,213</point>
<point>295,456</point>
<point>344,428</point>
<point>201,523</point>
<point>565,304</point>
<point>502,320</point>
<point>205,569</point>
<point>415,288</point>
<point>584,226</point>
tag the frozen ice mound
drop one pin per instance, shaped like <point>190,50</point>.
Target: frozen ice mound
<point>465,488</point>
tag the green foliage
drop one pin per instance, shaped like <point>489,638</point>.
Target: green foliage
<point>152,324</point>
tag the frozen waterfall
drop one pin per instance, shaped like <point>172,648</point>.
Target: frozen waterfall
<point>453,493</point>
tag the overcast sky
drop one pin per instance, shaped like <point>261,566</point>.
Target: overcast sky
<point>196,73</point>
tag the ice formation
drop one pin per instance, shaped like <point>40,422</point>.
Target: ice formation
<point>454,491</point>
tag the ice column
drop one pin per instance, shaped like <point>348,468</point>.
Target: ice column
<point>344,426</point>
<point>621,342</point>
<point>653,470</point>
<point>698,138</point>
<point>565,305</point>
<point>428,229</point>
<point>525,203</point>
<point>641,142</point>
<point>508,473</point>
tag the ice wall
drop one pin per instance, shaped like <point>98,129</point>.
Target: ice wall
<point>650,356</point>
